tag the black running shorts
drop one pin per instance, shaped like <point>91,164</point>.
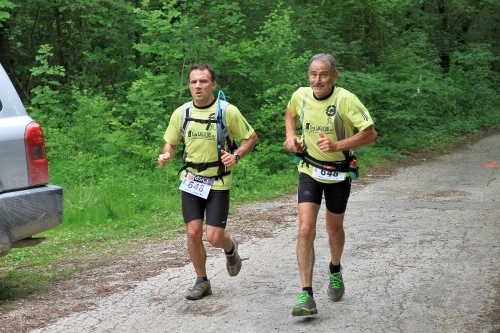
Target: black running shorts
<point>216,206</point>
<point>336,194</point>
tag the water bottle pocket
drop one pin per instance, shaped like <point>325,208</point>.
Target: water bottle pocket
<point>353,172</point>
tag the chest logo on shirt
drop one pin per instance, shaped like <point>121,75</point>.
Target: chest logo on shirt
<point>203,131</point>
<point>312,128</point>
<point>330,112</point>
<point>211,126</point>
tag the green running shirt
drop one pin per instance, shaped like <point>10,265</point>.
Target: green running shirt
<point>200,143</point>
<point>318,115</point>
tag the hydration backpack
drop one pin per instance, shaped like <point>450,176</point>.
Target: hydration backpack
<point>223,136</point>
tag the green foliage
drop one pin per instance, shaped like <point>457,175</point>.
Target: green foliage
<point>277,79</point>
<point>5,4</point>
<point>46,92</point>
<point>145,110</point>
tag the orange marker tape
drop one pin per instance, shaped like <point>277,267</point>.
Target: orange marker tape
<point>492,164</point>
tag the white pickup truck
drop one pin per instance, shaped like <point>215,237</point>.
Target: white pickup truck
<point>28,205</point>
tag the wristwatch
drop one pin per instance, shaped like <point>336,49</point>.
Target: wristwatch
<point>236,157</point>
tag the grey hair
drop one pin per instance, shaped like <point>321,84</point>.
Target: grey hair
<point>324,57</point>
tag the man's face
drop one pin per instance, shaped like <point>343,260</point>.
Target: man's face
<point>321,78</point>
<point>201,87</point>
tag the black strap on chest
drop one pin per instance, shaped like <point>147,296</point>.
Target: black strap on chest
<point>200,167</point>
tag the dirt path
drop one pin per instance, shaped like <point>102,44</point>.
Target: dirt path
<point>422,254</point>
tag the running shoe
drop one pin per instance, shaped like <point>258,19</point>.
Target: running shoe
<point>233,262</point>
<point>305,306</point>
<point>336,287</point>
<point>200,289</point>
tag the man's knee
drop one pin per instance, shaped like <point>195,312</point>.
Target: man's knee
<point>194,232</point>
<point>335,230</point>
<point>215,237</point>
<point>307,230</point>
<point>334,224</point>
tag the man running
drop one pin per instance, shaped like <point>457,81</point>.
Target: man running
<point>329,115</point>
<point>206,175</point>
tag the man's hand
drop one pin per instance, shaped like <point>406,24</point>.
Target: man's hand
<point>227,159</point>
<point>293,143</point>
<point>325,145</point>
<point>163,159</point>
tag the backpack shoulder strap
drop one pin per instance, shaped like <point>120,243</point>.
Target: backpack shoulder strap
<point>186,115</point>
<point>226,133</point>
<point>223,106</point>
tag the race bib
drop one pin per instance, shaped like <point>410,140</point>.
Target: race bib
<point>196,185</point>
<point>328,175</point>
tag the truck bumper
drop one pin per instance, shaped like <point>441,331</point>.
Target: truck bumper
<point>28,212</point>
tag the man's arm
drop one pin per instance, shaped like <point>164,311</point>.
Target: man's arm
<point>362,138</point>
<point>245,146</point>
<point>291,140</point>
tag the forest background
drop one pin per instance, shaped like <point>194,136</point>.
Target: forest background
<point>102,77</point>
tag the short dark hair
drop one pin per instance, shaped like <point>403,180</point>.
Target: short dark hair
<point>202,67</point>
<point>324,57</point>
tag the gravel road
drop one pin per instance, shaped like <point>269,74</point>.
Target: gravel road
<point>422,254</point>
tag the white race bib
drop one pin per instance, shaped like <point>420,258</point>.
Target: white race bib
<point>328,175</point>
<point>196,185</point>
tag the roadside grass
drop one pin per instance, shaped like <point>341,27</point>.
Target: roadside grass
<point>118,214</point>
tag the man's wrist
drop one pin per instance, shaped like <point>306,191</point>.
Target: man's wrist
<point>236,157</point>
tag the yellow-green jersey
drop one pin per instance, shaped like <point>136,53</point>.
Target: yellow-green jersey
<point>200,139</point>
<point>319,115</point>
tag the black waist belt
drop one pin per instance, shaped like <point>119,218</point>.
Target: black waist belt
<point>341,166</point>
<point>204,166</point>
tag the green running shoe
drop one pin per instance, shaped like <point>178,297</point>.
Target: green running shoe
<point>305,306</point>
<point>336,287</point>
